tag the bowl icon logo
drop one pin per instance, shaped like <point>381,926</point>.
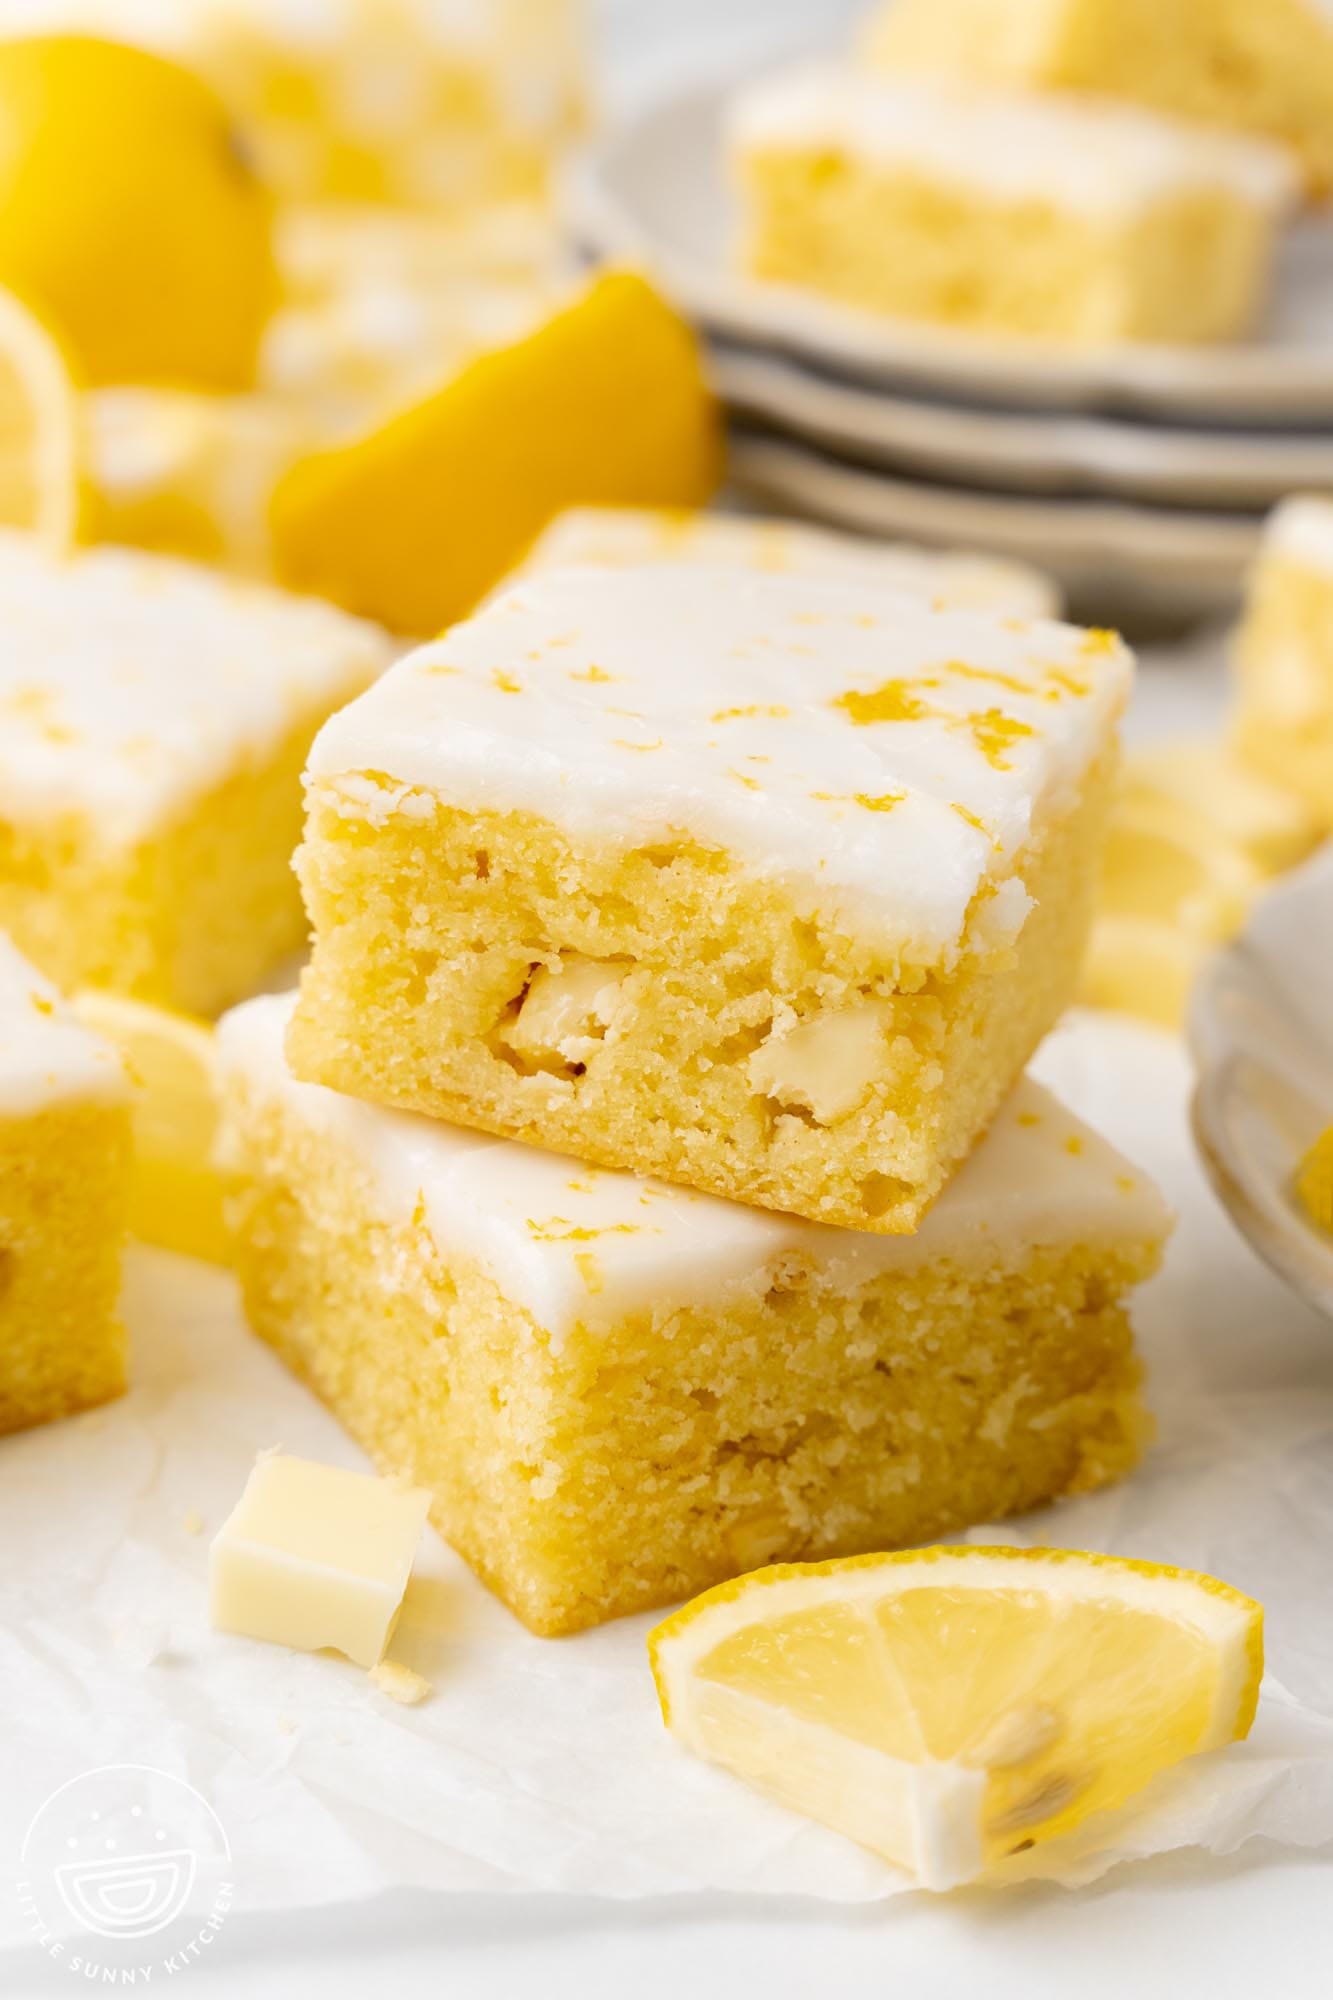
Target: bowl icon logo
<point>129,1897</point>
<point>132,1860</point>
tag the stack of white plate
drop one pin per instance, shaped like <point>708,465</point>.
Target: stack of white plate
<point>1139,476</point>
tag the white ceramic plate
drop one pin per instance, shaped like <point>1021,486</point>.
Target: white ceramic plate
<point>1116,563</point>
<point>656,192</point>
<point>1261,1028</point>
<point>1024,450</point>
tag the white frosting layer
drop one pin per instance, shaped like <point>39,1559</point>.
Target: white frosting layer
<point>619,537</point>
<point>1301,531</point>
<point>883,758</point>
<point>129,684</point>
<point>572,1244</point>
<point>1087,153</point>
<point>46,1057</point>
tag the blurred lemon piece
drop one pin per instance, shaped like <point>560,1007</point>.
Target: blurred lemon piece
<point>41,429</point>
<point>1314,1182</point>
<point>129,214</point>
<point>1193,837</point>
<point>1164,861</point>
<point>1136,965</point>
<point>950,1707</point>
<point>176,1196</point>
<point>191,475</point>
<point>412,524</point>
<point>1275,828</point>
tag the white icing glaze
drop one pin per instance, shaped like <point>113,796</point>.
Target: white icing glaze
<point>1301,531</point>
<point>1087,153</point>
<point>46,1057</point>
<point>742,710</point>
<point>572,1244</point>
<point>619,537</point>
<point>129,684</point>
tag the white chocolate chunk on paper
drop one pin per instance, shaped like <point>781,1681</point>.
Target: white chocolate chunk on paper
<point>314,1556</point>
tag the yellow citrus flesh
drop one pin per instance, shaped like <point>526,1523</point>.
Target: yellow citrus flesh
<point>176,1195</point>
<point>604,403</point>
<point>951,1707</point>
<point>1314,1182</point>
<point>129,215</point>
<point>41,429</point>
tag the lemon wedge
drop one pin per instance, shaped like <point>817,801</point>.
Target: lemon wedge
<point>1314,1182</point>
<point>950,1707</point>
<point>41,431</point>
<point>176,1194</point>
<point>604,402</point>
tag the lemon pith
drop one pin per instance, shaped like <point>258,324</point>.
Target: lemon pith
<point>176,1192</point>
<point>950,1707</point>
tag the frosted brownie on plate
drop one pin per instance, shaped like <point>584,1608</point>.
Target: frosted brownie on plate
<point>618,1392</point>
<point>154,719</point>
<point>64,1163</point>
<point>766,884</point>
<point>1070,219</point>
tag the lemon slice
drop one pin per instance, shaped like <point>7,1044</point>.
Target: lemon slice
<point>950,1707</point>
<point>1136,965</point>
<point>1165,862</point>
<point>176,1195</point>
<point>41,445</point>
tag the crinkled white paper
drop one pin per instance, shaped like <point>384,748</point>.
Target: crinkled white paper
<point>542,1764</point>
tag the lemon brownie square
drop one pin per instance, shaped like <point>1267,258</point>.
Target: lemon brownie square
<point>154,719</point>
<point>626,537</point>
<point>1070,220</point>
<point>64,1162</point>
<point>1283,718</point>
<point>1258,66</point>
<point>617,1391</point>
<point>767,884</point>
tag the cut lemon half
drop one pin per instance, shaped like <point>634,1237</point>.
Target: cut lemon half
<point>950,1707</point>
<point>176,1193</point>
<point>1209,781</point>
<point>41,430</point>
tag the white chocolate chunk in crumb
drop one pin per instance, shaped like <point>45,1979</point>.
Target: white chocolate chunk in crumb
<point>566,1010</point>
<point>825,1066</point>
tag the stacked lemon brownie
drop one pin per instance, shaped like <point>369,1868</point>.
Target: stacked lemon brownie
<point>154,719</point>
<point>1065,218</point>
<point>64,1160</point>
<point>725,884</point>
